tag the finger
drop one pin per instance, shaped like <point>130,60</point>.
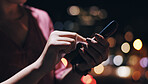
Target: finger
<point>66,39</point>
<point>71,40</point>
<point>87,58</point>
<point>61,43</point>
<point>101,40</point>
<point>76,36</point>
<point>99,48</point>
<point>80,38</point>
<point>65,33</point>
<point>94,54</point>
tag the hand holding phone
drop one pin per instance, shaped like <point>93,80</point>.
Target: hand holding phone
<point>75,58</point>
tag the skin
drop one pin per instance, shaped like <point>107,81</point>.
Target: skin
<point>59,43</point>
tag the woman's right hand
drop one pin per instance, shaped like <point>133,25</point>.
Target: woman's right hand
<point>58,44</point>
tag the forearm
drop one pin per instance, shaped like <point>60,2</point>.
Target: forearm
<point>29,75</point>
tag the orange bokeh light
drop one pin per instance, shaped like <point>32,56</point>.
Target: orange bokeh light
<point>136,75</point>
<point>64,61</point>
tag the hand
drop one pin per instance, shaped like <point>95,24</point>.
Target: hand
<point>58,44</point>
<point>94,52</point>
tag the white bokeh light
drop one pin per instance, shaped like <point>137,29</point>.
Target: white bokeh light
<point>118,60</point>
<point>123,71</point>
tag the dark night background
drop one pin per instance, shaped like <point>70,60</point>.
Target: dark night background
<point>126,12</point>
<point>131,13</point>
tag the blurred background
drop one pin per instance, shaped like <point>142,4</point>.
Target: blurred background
<point>128,57</point>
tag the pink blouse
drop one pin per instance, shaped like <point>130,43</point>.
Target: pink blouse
<point>14,58</point>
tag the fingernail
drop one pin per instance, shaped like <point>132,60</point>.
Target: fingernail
<point>96,34</point>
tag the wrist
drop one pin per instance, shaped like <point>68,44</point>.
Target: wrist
<point>40,67</point>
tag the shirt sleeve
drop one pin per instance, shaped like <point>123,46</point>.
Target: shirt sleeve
<point>44,21</point>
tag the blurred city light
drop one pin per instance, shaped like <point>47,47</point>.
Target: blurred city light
<point>137,44</point>
<point>58,25</point>
<point>112,42</point>
<point>74,10</point>
<point>105,63</point>
<point>99,69</point>
<point>133,60</point>
<point>93,81</point>
<point>68,25</point>
<point>118,60</point>
<point>136,75</point>
<point>108,70</point>
<point>64,61</point>
<point>87,20</point>
<point>94,10</point>
<point>144,62</point>
<point>102,13</point>
<point>123,71</point>
<point>125,47</point>
<point>128,36</point>
<point>87,79</point>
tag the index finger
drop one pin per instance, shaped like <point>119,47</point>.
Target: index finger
<point>80,38</point>
<point>74,35</point>
<point>101,40</point>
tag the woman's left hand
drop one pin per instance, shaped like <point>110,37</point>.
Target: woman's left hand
<point>94,52</point>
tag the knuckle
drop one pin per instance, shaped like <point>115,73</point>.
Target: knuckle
<point>73,40</point>
<point>54,32</point>
<point>75,33</point>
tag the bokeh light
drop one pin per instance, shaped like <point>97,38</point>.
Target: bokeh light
<point>108,70</point>
<point>99,69</point>
<point>137,44</point>
<point>128,36</point>
<point>144,62</point>
<point>87,79</point>
<point>123,71</point>
<point>112,42</point>
<point>136,75</point>
<point>94,10</point>
<point>74,10</point>
<point>102,13</point>
<point>118,60</point>
<point>87,20</point>
<point>105,63</point>
<point>125,47</point>
<point>133,60</point>
<point>93,81</point>
<point>64,61</point>
<point>58,25</point>
<point>68,25</point>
